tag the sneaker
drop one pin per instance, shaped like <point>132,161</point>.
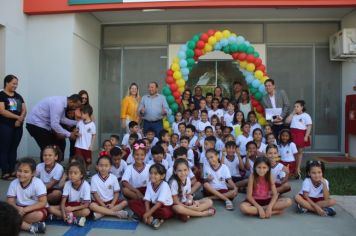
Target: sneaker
<point>122,214</point>
<point>156,223</point>
<point>81,221</point>
<point>70,218</point>
<point>301,209</point>
<point>39,227</point>
<point>330,211</point>
<point>97,216</point>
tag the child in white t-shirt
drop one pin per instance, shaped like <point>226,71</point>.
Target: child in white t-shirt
<point>288,152</point>
<point>118,165</point>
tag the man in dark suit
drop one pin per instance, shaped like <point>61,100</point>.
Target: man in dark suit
<point>276,99</point>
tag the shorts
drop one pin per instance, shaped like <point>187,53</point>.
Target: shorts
<point>314,199</point>
<point>298,138</point>
<point>43,210</point>
<point>86,154</point>
<point>292,166</point>
<point>261,202</point>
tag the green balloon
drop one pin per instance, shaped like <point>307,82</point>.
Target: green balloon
<point>256,54</point>
<point>258,95</point>
<point>196,38</point>
<point>233,47</point>
<point>166,91</point>
<point>253,90</point>
<point>250,50</point>
<point>226,49</point>
<point>170,99</point>
<point>190,68</point>
<point>190,62</point>
<point>174,107</point>
<point>191,45</point>
<point>243,48</point>
<point>189,53</point>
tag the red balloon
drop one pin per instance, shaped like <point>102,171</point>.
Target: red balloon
<point>178,101</point>
<point>173,87</point>
<point>204,37</point>
<point>169,72</point>
<point>258,62</point>
<point>265,73</point>
<point>261,68</point>
<point>196,58</point>
<point>235,55</point>
<point>200,44</point>
<point>176,94</point>
<point>254,103</point>
<point>242,56</point>
<point>170,80</point>
<point>211,32</point>
<point>259,109</point>
<point>250,58</point>
<point>198,52</point>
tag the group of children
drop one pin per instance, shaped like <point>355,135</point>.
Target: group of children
<point>159,177</point>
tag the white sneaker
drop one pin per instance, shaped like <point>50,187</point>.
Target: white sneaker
<point>122,214</point>
<point>81,221</point>
<point>97,216</point>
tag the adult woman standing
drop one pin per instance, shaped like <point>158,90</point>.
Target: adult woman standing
<point>218,93</point>
<point>245,104</point>
<point>129,106</point>
<point>186,99</point>
<point>12,115</point>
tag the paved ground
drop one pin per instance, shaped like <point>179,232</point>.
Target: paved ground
<point>232,223</point>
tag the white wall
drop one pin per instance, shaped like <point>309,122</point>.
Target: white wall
<point>348,81</point>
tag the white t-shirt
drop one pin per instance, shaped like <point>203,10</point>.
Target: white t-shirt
<point>194,122</point>
<point>228,118</point>
<point>136,178</point>
<point>233,166</point>
<point>220,176</point>
<point>278,173</point>
<point>241,142</point>
<point>262,148</point>
<point>170,149</point>
<point>164,163</point>
<point>273,100</point>
<point>169,174</point>
<point>287,152</point>
<point>118,172</point>
<point>47,176</point>
<point>219,113</point>
<point>201,126</point>
<point>105,188</point>
<point>186,189</point>
<point>125,139</point>
<point>301,121</point>
<point>193,141</point>
<point>81,194</point>
<point>248,172</point>
<point>86,132</point>
<point>27,195</point>
<point>314,191</point>
<point>161,194</point>
<point>190,158</point>
<point>219,145</point>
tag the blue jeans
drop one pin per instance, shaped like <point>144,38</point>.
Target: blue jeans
<point>157,126</point>
<point>10,138</point>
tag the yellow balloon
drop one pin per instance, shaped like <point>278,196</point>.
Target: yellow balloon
<point>233,34</point>
<point>175,67</point>
<point>208,48</point>
<point>250,67</point>
<point>181,89</point>
<point>218,35</point>
<point>226,33</point>
<point>259,74</point>
<point>176,60</point>
<point>166,124</point>
<point>262,121</point>
<point>180,83</point>
<point>264,78</point>
<point>212,40</point>
<point>243,64</point>
<point>177,75</point>
<point>170,131</point>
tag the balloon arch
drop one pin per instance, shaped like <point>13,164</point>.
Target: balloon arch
<point>249,61</point>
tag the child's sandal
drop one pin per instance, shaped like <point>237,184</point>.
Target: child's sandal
<point>229,206</point>
<point>211,211</point>
<point>156,223</point>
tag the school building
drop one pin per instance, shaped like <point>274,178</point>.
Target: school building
<point>58,47</point>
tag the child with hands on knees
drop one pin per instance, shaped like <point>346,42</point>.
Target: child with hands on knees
<point>181,192</point>
<point>314,195</point>
<point>156,206</point>
<point>262,197</point>
<point>135,178</point>
<point>105,189</point>
<point>217,180</point>
<point>74,207</point>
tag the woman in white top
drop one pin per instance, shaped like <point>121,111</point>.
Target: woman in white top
<point>245,104</point>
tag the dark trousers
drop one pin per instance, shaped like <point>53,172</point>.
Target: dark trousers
<point>10,138</point>
<point>157,126</point>
<point>45,138</point>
